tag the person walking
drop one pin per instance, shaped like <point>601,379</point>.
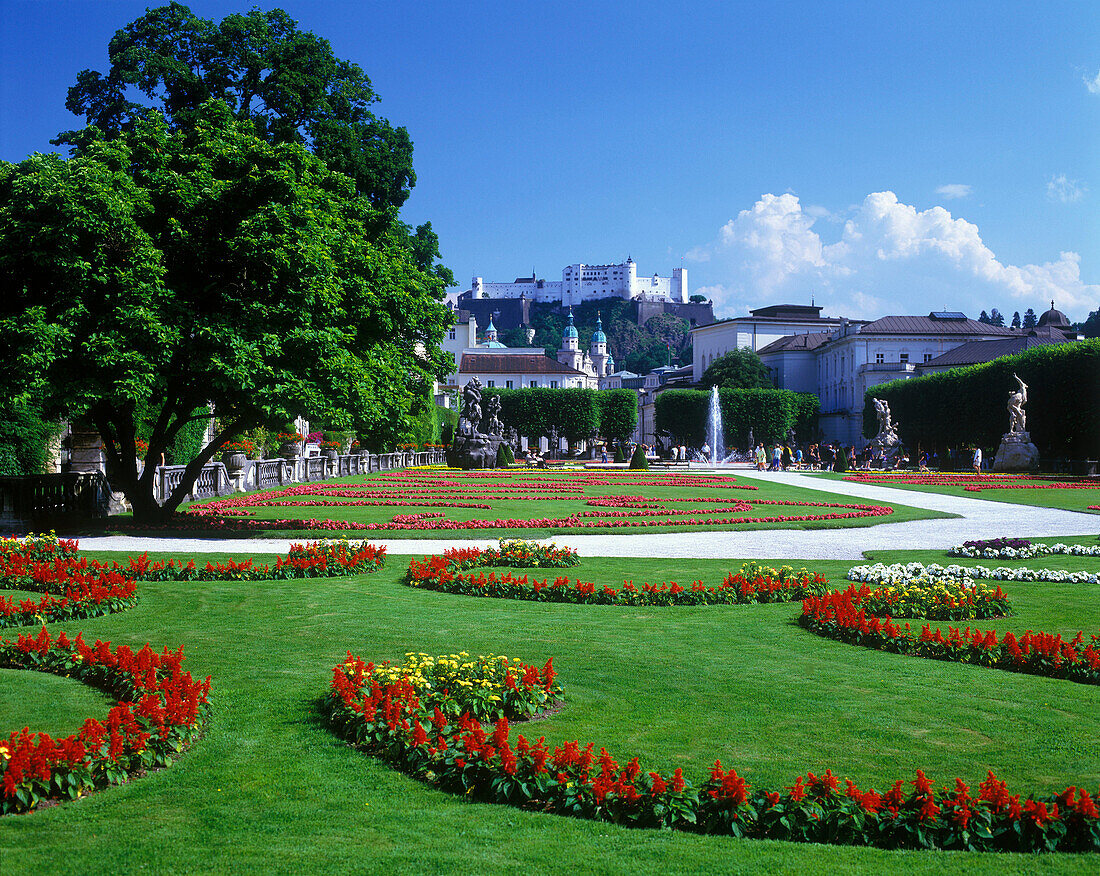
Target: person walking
<point>977,461</point>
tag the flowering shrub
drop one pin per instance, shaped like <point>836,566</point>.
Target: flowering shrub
<point>291,437</point>
<point>1019,549</point>
<point>900,572</point>
<point>752,583</point>
<point>845,617</point>
<point>393,717</point>
<point>161,710</point>
<point>72,588</point>
<point>514,552</point>
<point>242,445</point>
<point>330,445</point>
<point>485,687</point>
<point>918,593</point>
<point>316,559</point>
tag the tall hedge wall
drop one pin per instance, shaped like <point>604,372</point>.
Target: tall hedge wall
<point>574,413</point>
<point>969,405</point>
<point>618,411</point>
<point>770,413</point>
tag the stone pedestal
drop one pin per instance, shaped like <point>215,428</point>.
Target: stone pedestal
<point>87,452</point>
<point>1016,453</point>
<point>474,451</point>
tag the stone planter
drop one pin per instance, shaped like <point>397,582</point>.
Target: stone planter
<point>330,455</point>
<point>235,461</point>
<point>291,451</point>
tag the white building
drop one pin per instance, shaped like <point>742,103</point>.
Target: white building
<point>580,282</point>
<point>840,366</point>
<point>764,326</point>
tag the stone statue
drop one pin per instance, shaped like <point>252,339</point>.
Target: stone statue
<point>496,427</point>
<point>1016,452</point>
<point>887,438</point>
<point>530,333</point>
<point>885,421</point>
<point>471,408</point>
<point>472,448</point>
<point>1017,419</point>
<point>752,441</point>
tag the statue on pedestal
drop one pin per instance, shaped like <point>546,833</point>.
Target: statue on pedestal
<point>887,438</point>
<point>1016,452</point>
<point>472,448</point>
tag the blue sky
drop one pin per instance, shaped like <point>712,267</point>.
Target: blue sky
<point>880,157</point>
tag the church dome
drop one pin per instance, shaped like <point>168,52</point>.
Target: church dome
<point>1053,318</point>
<point>598,336</point>
<point>570,329</point>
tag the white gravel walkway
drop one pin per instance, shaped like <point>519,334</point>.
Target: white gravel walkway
<point>978,518</point>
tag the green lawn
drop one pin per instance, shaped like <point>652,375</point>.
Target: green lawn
<point>523,507</point>
<point>1068,500</point>
<point>271,790</point>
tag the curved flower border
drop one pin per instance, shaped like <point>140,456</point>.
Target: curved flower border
<point>753,583</point>
<point>161,711</point>
<point>463,756</point>
<point>72,587</point>
<point>1019,549</point>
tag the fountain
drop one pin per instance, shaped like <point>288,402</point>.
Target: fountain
<point>714,428</point>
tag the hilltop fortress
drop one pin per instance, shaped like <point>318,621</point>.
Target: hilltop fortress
<point>580,283</point>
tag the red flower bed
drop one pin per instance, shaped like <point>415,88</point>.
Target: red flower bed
<point>317,559</point>
<point>72,587</point>
<point>753,583</point>
<point>840,615</point>
<point>972,483</point>
<point>161,710</point>
<point>483,762</point>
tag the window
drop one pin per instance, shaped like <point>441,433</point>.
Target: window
<point>903,358</point>
<point>534,383</point>
<point>879,358</point>
<point>492,383</point>
<point>451,336</point>
<point>507,384</point>
<point>927,357</point>
<point>553,384</point>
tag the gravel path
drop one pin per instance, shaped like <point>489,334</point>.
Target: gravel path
<point>978,518</point>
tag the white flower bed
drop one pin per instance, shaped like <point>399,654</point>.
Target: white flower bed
<point>902,574</point>
<point>1025,553</point>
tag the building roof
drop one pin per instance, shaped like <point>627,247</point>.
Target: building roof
<point>976,352</point>
<point>807,341</point>
<point>788,311</point>
<point>1053,318</point>
<point>477,362</point>
<point>598,337</point>
<point>931,325</point>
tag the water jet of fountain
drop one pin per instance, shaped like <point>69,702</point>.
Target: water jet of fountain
<point>714,428</point>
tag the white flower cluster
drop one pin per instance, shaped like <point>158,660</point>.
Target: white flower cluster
<point>905,573</point>
<point>1024,553</point>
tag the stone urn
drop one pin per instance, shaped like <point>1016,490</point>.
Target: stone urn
<point>330,454</point>
<point>291,450</point>
<point>235,461</point>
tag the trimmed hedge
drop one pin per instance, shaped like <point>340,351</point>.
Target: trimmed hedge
<point>969,405</point>
<point>618,413</point>
<point>533,412</point>
<point>770,413</point>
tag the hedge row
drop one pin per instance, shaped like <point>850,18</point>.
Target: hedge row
<point>966,406</point>
<point>769,413</point>
<point>574,413</point>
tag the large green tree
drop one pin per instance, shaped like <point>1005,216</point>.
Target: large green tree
<point>286,81</point>
<point>167,267</point>
<point>737,369</point>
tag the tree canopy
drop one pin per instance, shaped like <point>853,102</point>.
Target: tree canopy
<point>287,82</point>
<point>169,267</point>
<point>737,369</point>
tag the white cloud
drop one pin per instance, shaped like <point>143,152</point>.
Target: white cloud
<point>890,258</point>
<point>1093,84</point>
<point>955,190</point>
<point>1065,190</point>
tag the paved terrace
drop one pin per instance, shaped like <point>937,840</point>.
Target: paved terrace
<point>977,518</point>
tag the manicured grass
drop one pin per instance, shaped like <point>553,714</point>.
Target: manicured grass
<point>1068,500</point>
<point>676,495</point>
<point>269,789</point>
